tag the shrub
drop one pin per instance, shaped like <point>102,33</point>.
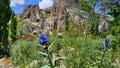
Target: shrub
<point>23,52</point>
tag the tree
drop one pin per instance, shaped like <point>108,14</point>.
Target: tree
<point>13,26</point>
<point>86,6</point>
<point>115,12</point>
<point>111,7</point>
<point>5,13</point>
<point>89,6</point>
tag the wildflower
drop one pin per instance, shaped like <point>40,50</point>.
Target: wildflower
<point>43,39</point>
<point>106,43</point>
<point>58,45</point>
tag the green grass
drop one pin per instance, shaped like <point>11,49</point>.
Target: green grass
<point>83,51</point>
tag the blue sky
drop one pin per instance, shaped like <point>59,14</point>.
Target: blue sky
<point>18,5</point>
<point>97,7</point>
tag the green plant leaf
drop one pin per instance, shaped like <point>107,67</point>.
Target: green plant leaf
<point>51,45</point>
<point>43,53</point>
<point>46,66</point>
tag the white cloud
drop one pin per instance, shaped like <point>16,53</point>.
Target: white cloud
<point>45,4</point>
<point>15,2</point>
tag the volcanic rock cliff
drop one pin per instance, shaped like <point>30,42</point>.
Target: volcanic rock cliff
<point>40,21</point>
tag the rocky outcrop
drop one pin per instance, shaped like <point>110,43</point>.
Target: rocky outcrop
<point>103,27</point>
<point>32,12</point>
<point>38,20</point>
<point>5,63</point>
<point>58,14</point>
<point>34,20</point>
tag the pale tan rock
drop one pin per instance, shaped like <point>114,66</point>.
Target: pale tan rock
<point>71,49</point>
<point>57,15</point>
<point>5,63</point>
<point>103,26</point>
<point>61,52</point>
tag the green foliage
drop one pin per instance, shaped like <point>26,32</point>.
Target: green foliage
<point>13,27</point>
<point>47,15</point>
<point>19,24</point>
<point>114,30</point>
<point>81,50</point>
<point>115,25</point>
<point>94,27</point>
<point>5,13</point>
<point>93,21</point>
<point>67,21</point>
<point>86,6</point>
<point>115,12</point>
<point>23,52</point>
<point>73,29</point>
<point>88,51</point>
<point>115,43</point>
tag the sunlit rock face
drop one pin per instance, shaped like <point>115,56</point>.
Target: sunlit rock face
<point>5,63</point>
<point>103,26</point>
<point>32,12</point>
<point>46,20</point>
<point>57,15</point>
<point>34,17</point>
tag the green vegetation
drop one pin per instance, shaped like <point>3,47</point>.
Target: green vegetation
<point>13,27</point>
<point>5,12</point>
<point>81,51</point>
<point>67,21</point>
<point>75,48</point>
<point>23,52</point>
<point>47,15</point>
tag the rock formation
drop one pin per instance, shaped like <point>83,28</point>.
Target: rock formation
<point>34,17</point>
<point>103,26</point>
<point>57,15</point>
<point>5,63</point>
<point>32,12</point>
<point>38,23</point>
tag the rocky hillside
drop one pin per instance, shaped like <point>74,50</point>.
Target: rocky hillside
<point>33,19</point>
<point>44,21</point>
<point>31,12</point>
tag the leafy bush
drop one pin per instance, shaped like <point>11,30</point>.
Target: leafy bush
<point>23,52</point>
<point>81,51</point>
<point>86,51</point>
<point>115,44</point>
<point>115,30</point>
